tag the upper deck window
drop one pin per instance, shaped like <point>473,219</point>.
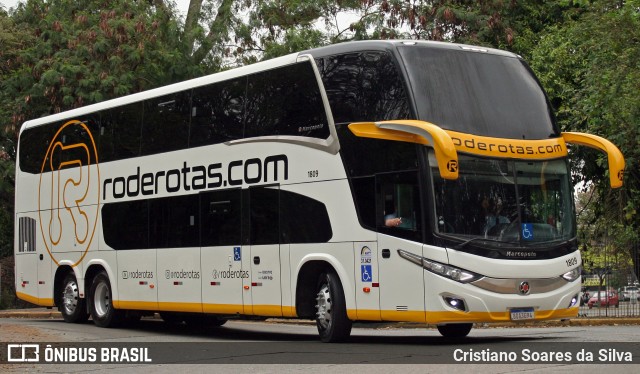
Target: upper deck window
<point>364,86</point>
<point>478,93</point>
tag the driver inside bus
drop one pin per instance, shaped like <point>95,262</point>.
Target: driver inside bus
<point>493,215</point>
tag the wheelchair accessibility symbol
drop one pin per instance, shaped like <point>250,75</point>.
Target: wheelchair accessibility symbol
<point>527,231</point>
<point>237,255</point>
<point>367,275</point>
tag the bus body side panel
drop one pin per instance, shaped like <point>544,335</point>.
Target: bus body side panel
<point>401,282</point>
<point>137,280</point>
<point>30,270</point>
<point>222,278</point>
<point>179,284</point>
<point>367,278</point>
<point>337,255</point>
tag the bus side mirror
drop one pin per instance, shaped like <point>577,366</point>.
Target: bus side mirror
<point>614,156</point>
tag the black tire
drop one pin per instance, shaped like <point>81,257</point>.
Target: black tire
<point>70,304</point>
<point>455,330</point>
<point>100,303</point>
<point>331,310</point>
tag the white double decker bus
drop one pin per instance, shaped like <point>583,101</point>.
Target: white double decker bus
<point>365,181</point>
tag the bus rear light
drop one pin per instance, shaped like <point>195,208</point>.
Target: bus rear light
<point>366,290</point>
<point>455,303</point>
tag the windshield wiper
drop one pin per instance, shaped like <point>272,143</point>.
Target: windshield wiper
<point>464,244</point>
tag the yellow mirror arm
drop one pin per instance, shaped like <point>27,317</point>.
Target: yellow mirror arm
<point>614,156</point>
<point>414,131</point>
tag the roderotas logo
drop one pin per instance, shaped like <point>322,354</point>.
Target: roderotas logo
<point>69,190</point>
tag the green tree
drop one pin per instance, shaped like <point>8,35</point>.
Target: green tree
<point>86,51</point>
<point>590,66</point>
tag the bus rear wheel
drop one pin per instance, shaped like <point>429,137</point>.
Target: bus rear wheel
<point>455,330</point>
<point>100,303</point>
<point>331,311</point>
<point>72,307</point>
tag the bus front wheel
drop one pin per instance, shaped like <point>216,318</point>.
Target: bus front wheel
<point>100,302</point>
<point>331,311</point>
<point>455,330</point>
<point>72,307</point>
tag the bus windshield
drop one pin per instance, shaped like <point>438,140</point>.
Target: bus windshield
<point>515,202</point>
<point>477,93</point>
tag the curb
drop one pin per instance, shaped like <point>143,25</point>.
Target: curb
<point>38,313</point>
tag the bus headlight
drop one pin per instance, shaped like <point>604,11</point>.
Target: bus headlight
<point>447,271</point>
<point>572,275</point>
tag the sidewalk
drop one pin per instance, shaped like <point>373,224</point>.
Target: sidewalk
<point>44,313</point>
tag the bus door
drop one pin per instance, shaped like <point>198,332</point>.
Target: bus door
<point>34,278</point>
<point>174,230</point>
<point>221,252</point>
<point>399,229</point>
<point>263,257</point>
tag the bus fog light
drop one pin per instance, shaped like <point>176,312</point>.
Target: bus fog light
<point>574,301</point>
<point>455,303</point>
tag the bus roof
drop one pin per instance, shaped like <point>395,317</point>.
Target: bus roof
<point>368,45</point>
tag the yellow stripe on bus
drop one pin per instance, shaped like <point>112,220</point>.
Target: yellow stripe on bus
<point>34,299</point>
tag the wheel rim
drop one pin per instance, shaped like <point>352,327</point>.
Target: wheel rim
<point>70,297</point>
<point>101,300</point>
<point>323,313</point>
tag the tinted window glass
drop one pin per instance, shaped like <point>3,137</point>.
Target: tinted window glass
<point>265,224</point>
<point>367,156</point>
<point>398,205</point>
<point>120,132</point>
<point>364,86</point>
<point>218,112</point>
<point>285,101</point>
<point>364,192</point>
<point>35,142</point>
<point>221,215</point>
<point>74,136</point>
<point>166,123</point>
<point>478,93</point>
<point>174,222</point>
<point>303,219</point>
<point>126,225</point>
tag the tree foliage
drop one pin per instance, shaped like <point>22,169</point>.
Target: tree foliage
<point>590,66</point>
<point>78,52</point>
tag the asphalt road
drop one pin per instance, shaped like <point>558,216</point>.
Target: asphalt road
<point>242,346</point>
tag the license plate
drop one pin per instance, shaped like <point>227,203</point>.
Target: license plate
<point>522,314</point>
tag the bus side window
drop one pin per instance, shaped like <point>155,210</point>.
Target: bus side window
<point>217,112</point>
<point>221,214</point>
<point>165,125</point>
<point>126,224</point>
<point>120,130</point>
<point>398,207</point>
<point>285,101</point>
<point>174,222</point>
<point>264,226</point>
<point>364,86</point>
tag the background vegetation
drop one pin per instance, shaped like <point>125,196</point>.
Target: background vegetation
<point>56,55</point>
